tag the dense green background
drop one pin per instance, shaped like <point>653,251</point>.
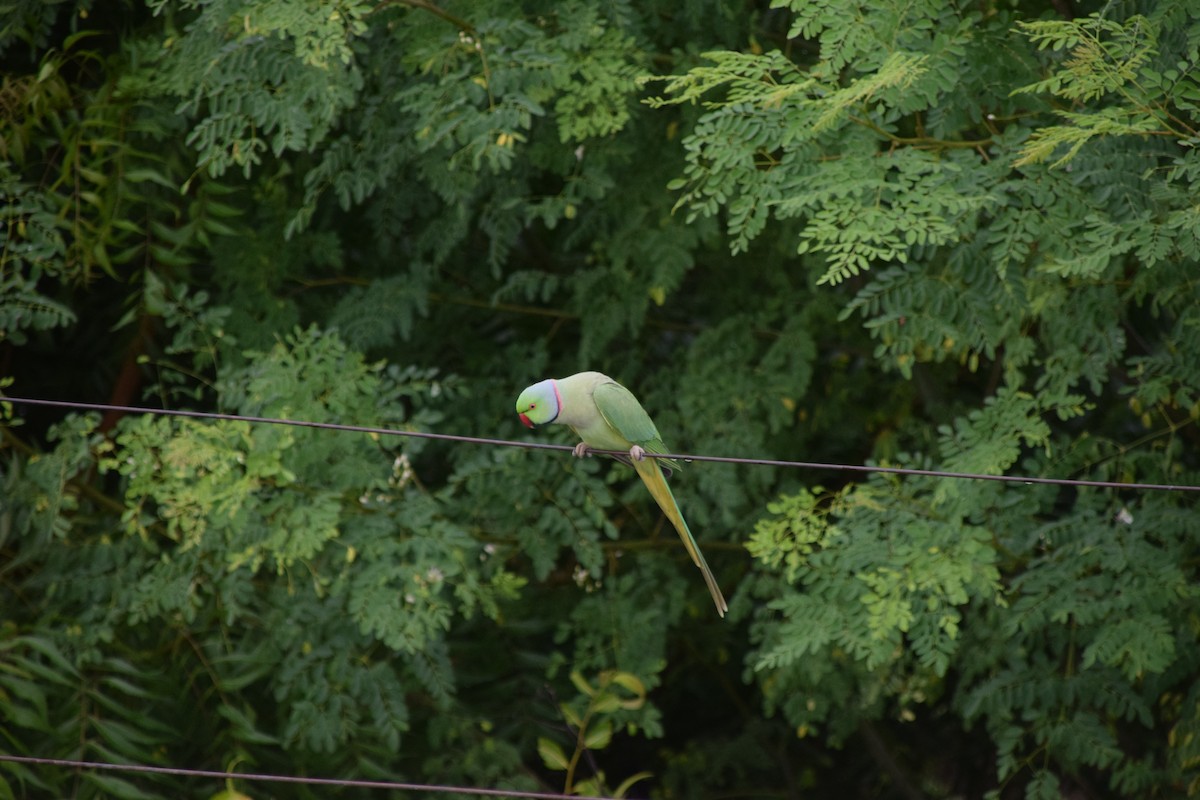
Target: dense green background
<point>953,235</point>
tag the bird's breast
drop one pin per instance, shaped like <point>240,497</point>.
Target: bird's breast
<point>598,434</point>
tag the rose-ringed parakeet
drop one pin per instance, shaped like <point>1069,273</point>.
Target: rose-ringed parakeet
<point>607,416</point>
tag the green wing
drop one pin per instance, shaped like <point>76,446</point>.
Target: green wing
<point>624,414</point>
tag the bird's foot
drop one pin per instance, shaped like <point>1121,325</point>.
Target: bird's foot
<point>581,450</point>
<point>637,453</point>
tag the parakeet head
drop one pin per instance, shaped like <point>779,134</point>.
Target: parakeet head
<point>539,404</point>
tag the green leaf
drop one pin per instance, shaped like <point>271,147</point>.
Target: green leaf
<point>598,735</point>
<point>552,754</point>
<point>624,786</point>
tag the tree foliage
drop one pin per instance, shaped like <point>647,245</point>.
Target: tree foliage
<point>932,235</point>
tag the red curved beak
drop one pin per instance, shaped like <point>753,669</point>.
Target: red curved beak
<point>526,421</point>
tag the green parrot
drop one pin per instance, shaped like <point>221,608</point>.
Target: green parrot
<point>607,416</point>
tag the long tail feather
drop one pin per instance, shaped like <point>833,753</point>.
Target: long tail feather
<point>652,476</point>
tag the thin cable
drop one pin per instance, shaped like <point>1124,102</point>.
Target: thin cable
<point>298,423</point>
<point>268,778</point>
<point>766,462</point>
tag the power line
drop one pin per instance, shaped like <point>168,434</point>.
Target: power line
<point>766,462</point>
<point>269,778</point>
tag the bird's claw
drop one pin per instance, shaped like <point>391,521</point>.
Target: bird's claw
<point>581,450</point>
<point>637,453</point>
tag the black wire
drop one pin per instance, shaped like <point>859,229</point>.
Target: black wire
<point>929,473</point>
<point>252,776</point>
